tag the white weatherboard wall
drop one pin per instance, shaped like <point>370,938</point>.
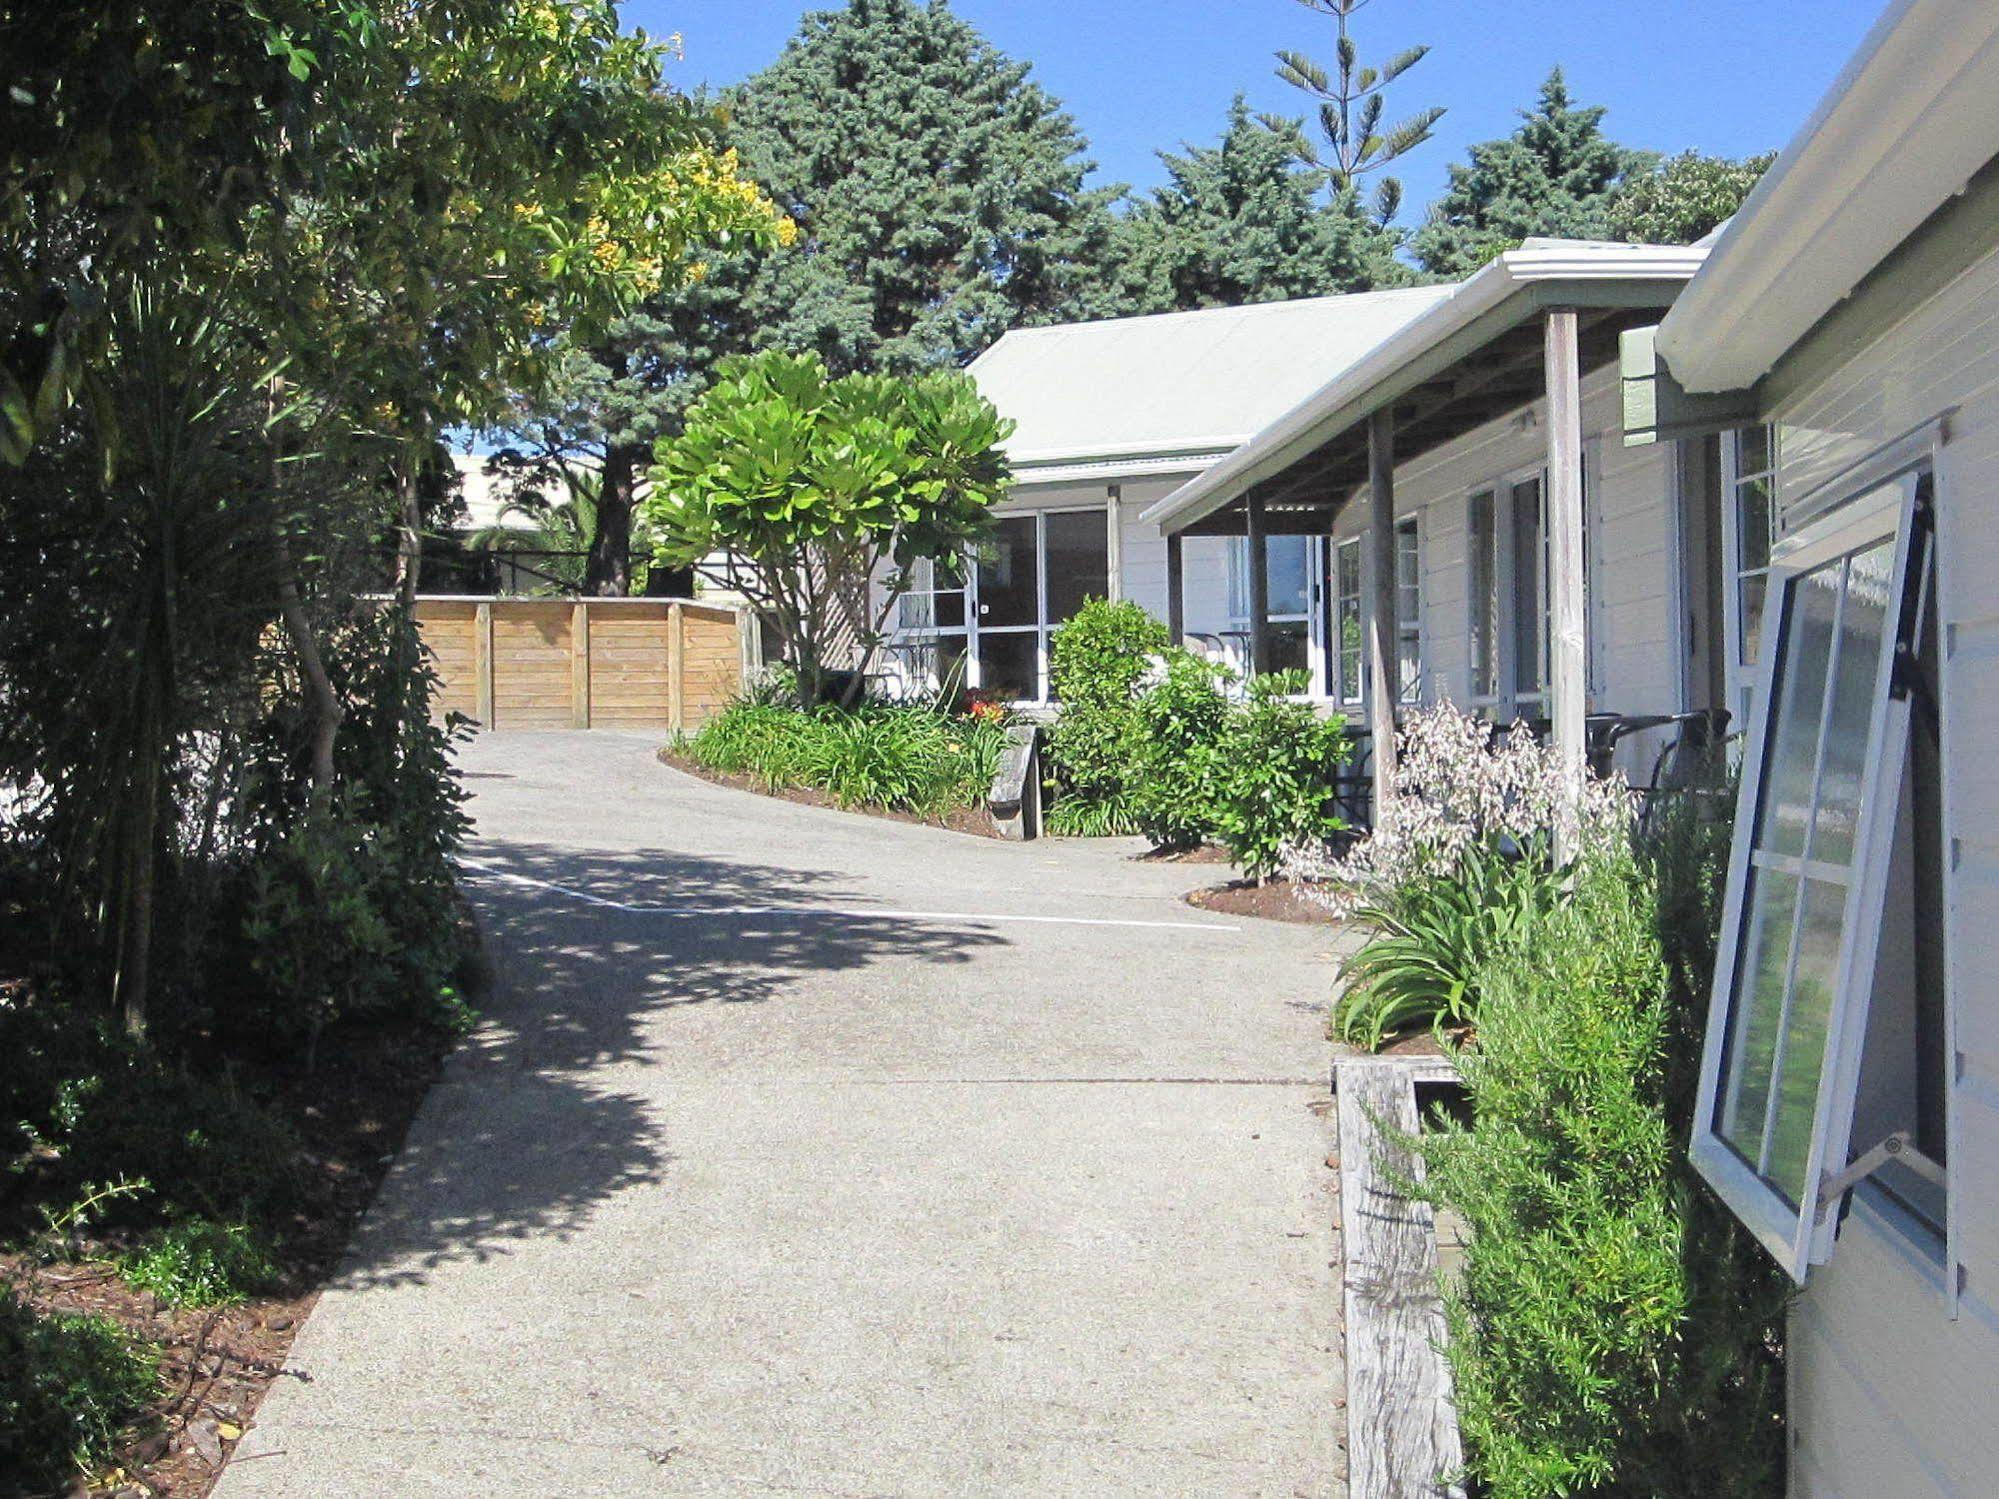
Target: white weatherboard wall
<point>1891,1395</point>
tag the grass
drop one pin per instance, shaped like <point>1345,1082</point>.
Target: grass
<point>912,759</point>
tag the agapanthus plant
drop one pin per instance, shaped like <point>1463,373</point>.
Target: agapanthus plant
<point>1459,787</point>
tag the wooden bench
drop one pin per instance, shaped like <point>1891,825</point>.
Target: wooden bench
<point>1402,1429</point>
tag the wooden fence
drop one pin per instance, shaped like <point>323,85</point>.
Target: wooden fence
<point>517,663</point>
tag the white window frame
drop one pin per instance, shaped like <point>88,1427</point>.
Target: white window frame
<point>1863,511</point>
<point>1740,673</point>
<point>1477,695</point>
<point>1338,650</point>
<point>1318,655</point>
<point>1409,621</point>
<point>906,637</point>
<point>1506,697</point>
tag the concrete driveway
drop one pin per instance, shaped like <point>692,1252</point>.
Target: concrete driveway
<point>812,1153</point>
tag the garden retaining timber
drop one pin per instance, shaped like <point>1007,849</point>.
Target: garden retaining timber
<point>580,663</point>
<point>1402,1428</point>
<point>1015,799</point>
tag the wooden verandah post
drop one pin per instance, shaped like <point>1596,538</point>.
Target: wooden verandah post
<point>1176,590</point>
<point>1567,684</point>
<point>1384,669</point>
<point>1259,584</point>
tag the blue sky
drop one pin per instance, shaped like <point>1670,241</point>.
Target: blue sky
<point>1726,76</point>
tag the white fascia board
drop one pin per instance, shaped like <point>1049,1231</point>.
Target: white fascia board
<point>1912,117</point>
<point>1350,396</point>
<point>1111,470</point>
<point>1178,449</point>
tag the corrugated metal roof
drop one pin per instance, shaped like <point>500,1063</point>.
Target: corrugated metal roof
<point>1192,383</point>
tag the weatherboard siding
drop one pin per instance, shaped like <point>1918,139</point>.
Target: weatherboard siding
<point>1890,1393</point>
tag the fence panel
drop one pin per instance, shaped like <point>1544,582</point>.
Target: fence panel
<point>555,663</point>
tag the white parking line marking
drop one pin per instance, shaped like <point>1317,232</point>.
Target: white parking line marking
<point>494,871</point>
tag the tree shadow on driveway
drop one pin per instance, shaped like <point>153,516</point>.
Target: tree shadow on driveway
<point>529,1132</point>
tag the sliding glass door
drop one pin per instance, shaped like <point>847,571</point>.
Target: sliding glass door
<point>1007,584</point>
<point>985,623</point>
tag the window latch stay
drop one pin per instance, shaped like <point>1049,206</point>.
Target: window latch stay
<point>1896,1147</point>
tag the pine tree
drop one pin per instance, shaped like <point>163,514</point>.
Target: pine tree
<point>1241,221</point>
<point>938,190</point>
<point>1557,174</point>
<point>1351,98</point>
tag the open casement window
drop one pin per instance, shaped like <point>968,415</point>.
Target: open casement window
<point>1822,1044</point>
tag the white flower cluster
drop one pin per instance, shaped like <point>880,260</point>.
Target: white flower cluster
<point>1459,782</point>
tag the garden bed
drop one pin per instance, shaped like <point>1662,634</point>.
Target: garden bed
<point>1278,900</point>
<point>976,821</point>
<point>351,1114</point>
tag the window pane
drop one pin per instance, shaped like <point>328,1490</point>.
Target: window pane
<point>1803,1058</point>
<point>1529,609</point>
<point>1347,562</point>
<point>1290,573</point>
<point>1761,966</point>
<point>1484,595</point>
<point>927,665</point>
<point>1408,569</point>
<point>1350,646</point>
<point>1752,588</point>
<point>1079,561</point>
<point>1752,453</point>
<point>1861,624</point>
<point>1290,647</point>
<point>1752,521</point>
<point>1801,676</point>
<point>1009,664</point>
<point>1009,585</point>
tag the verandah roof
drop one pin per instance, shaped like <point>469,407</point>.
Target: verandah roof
<point>1472,355</point>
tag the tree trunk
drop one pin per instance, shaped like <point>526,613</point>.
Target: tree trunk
<point>326,710</point>
<point>409,529</point>
<point>608,572</point>
<point>135,946</point>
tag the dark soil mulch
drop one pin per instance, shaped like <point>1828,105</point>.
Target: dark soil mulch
<point>974,820</point>
<point>1202,853</point>
<point>351,1113</point>
<point>1277,901</point>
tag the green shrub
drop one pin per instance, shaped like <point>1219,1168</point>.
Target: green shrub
<point>903,758</point>
<point>348,907</point>
<point>69,1387</point>
<point>1095,663</point>
<point>317,926</point>
<point>200,1262</point>
<point>1176,765</point>
<point>1608,1333</point>
<point>87,1106</point>
<point>1430,942</point>
<point>1273,782</point>
<point>202,1147</point>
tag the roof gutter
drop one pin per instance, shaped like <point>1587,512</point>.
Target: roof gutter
<point>1399,363</point>
<point>1909,121</point>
